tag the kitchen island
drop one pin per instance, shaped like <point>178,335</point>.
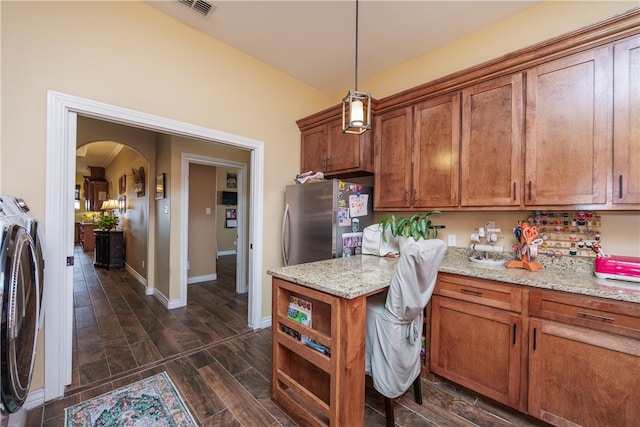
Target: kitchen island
<point>319,321</point>
<point>528,318</point>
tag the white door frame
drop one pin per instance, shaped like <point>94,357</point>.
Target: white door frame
<point>186,159</point>
<point>62,111</point>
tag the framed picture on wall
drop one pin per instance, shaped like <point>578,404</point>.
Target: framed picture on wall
<point>138,181</point>
<point>160,186</point>
<point>232,180</point>
<point>231,218</point>
<point>122,184</point>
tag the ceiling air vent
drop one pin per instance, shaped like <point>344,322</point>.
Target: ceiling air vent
<point>200,6</point>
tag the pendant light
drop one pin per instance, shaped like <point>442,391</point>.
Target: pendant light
<point>356,106</point>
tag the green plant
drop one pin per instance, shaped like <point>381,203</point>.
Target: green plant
<point>417,226</point>
<point>107,222</point>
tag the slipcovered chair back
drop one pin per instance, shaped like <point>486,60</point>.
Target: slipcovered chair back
<point>394,321</point>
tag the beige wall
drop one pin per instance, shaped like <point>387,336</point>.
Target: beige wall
<point>620,230</point>
<point>163,212</point>
<point>134,220</point>
<point>177,146</point>
<point>202,225</point>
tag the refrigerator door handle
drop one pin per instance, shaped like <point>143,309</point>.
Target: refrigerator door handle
<point>285,221</point>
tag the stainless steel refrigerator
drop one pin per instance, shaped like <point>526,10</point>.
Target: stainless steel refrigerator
<point>324,220</point>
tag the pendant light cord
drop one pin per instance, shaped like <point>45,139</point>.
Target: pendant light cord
<point>356,45</point>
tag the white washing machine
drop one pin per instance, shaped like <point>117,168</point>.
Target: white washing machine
<point>21,294</point>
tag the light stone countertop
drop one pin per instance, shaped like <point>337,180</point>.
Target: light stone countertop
<point>364,274</point>
<point>344,277</point>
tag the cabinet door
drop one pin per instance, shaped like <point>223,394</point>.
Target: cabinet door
<point>626,121</point>
<point>578,376</point>
<point>491,143</point>
<point>312,149</point>
<point>477,347</point>
<point>393,159</point>
<point>436,147</point>
<point>343,149</point>
<point>98,192</point>
<point>567,130</point>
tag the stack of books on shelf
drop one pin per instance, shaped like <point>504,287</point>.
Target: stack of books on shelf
<point>299,310</point>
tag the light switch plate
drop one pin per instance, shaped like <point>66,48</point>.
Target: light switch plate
<point>451,239</point>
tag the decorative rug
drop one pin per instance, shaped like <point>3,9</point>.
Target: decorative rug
<point>153,401</point>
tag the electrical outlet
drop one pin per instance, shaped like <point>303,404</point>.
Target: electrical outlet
<point>188,265</point>
<point>451,239</point>
<point>143,264</point>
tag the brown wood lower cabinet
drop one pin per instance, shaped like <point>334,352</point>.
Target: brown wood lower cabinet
<point>473,343</point>
<point>581,377</point>
<point>584,360</point>
<point>478,347</point>
<point>567,359</point>
<point>86,236</point>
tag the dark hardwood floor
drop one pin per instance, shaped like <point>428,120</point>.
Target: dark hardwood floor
<point>221,367</point>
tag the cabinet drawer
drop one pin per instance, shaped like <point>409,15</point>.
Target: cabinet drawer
<point>618,317</point>
<point>480,291</point>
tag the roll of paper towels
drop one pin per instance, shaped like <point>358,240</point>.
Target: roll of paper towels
<point>487,248</point>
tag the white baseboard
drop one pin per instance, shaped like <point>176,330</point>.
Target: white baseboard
<point>141,280</point>
<point>168,304</point>
<point>135,274</point>
<point>34,399</point>
<point>203,278</point>
<point>266,322</point>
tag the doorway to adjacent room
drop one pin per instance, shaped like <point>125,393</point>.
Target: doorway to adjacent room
<point>62,112</point>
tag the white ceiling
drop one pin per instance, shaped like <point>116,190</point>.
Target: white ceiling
<point>98,153</point>
<point>314,40</point>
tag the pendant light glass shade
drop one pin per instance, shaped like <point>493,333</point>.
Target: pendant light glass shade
<point>356,106</point>
<point>356,112</point>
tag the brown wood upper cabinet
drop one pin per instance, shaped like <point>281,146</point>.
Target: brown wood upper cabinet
<point>626,123</point>
<point>492,122</point>
<point>416,155</point>
<point>96,191</point>
<point>567,124</point>
<point>324,148</point>
<point>554,124</point>
<point>392,148</point>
